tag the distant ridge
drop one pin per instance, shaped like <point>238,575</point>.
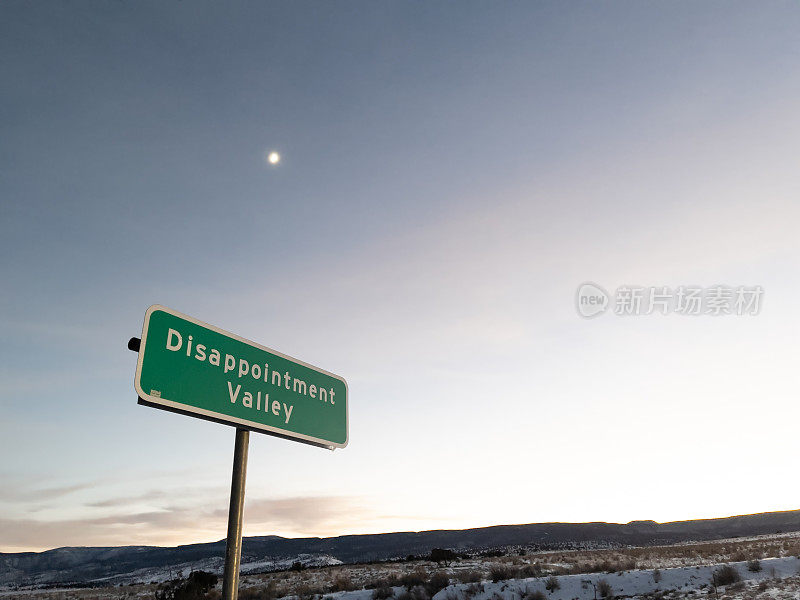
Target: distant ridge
<point>63,565</point>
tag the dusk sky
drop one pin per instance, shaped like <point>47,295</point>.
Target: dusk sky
<point>450,173</point>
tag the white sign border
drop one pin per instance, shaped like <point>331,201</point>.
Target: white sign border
<point>226,419</point>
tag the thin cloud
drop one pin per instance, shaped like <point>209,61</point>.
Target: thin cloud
<point>14,494</point>
<point>128,500</point>
<point>311,515</point>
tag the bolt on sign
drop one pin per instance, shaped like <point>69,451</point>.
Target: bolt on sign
<point>193,368</point>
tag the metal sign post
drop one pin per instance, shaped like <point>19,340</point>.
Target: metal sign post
<point>233,547</point>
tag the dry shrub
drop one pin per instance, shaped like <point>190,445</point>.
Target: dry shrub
<point>656,575</point>
<point>473,589</point>
<point>736,587</point>
<point>754,565</point>
<point>414,578</point>
<point>604,589</point>
<point>382,582</point>
<point>471,576</point>
<point>382,592</point>
<point>267,592</point>
<point>419,593</point>
<point>305,591</point>
<point>342,583</point>
<point>534,570</point>
<point>498,572</point>
<point>438,581</point>
<point>725,575</point>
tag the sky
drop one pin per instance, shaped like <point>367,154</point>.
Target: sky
<point>450,173</point>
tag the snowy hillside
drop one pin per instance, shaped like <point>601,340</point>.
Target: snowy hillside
<point>215,565</point>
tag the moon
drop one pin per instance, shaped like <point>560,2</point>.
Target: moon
<point>273,158</point>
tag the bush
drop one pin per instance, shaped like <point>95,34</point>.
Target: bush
<point>725,575</point>
<point>251,593</point>
<point>551,584</point>
<point>604,589</point>
<point>537,595</point>
<point>498,572</point>
<point>534,570</point>
<point>438,581</point>
<point>268,592</point>
<point>382,593</point>
<point>413,579</point>
<point>342,583</point>
<point>469,576</point>
<point>192,588</point>
<point>305,591</point>
<point>473,589</point>
<point>629,565</point>
<point>381,583</point>
<point>419,593</point>
<point>754,565</point>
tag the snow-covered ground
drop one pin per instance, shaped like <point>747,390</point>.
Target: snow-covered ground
<point>628,583</point>
<point>636,583</point>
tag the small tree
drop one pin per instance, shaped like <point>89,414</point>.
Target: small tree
<point>442,555</point>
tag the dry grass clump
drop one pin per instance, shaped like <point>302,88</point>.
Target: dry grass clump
<point>413,578</point>
<point>499,572</point>
<point>270,591</point>
<point>438,581</point>
<point>471,576</point>
<point>725,575</point>
<point>473,589</point>
<point>604,589</point>
<point>551,584</point>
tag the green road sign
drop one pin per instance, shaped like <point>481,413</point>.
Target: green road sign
<point>190,367</point>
